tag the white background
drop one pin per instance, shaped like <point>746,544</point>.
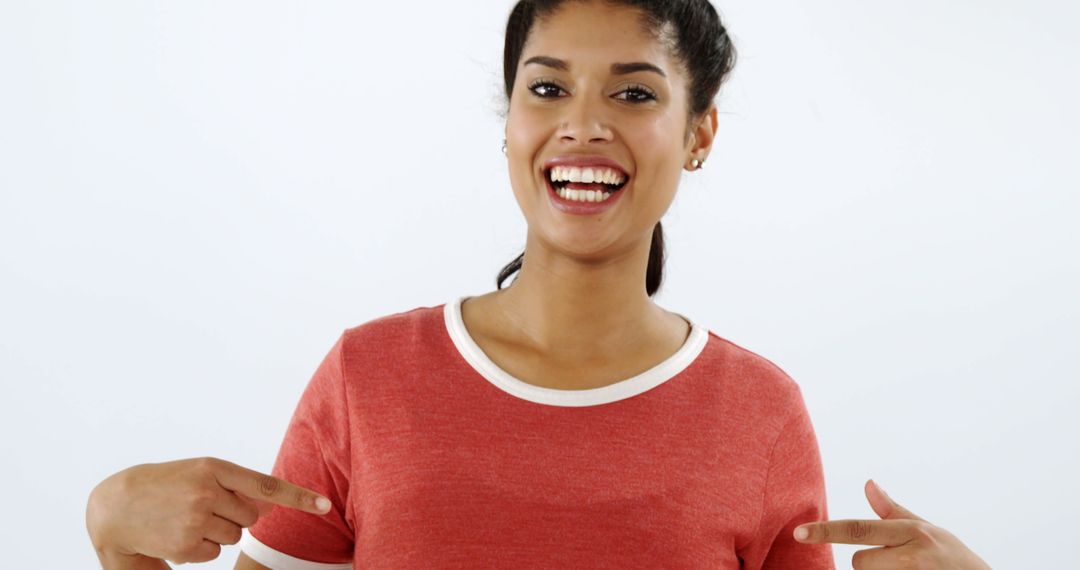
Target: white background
<point>197,197</point>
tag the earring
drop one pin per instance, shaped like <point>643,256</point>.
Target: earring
<point>697,164</point>
<point>504,146</point>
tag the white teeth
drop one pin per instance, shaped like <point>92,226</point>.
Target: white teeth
<point>584,195</point>
<point>587,175</point>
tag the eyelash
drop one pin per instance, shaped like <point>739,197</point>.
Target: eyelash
<point>650,96</point>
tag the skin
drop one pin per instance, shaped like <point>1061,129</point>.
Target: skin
<point>579,306</point>
<point>576,317</point>
<point>904,539</point>
<point>182,511</point>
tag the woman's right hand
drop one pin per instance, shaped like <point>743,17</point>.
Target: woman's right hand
<point>183,511</point>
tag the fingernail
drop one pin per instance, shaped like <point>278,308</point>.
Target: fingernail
<point>322,504</point>
<point>801,533</point>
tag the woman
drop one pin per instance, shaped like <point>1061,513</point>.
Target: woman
<point>566,420</point>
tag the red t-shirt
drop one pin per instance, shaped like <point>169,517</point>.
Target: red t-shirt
<point>434,457</point>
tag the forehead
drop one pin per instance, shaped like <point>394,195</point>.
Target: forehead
<point>595,32</point>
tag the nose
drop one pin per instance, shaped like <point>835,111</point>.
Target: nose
<point>584,121</point>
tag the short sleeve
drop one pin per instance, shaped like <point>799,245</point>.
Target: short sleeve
<point>315,454</point>
<point>794,495</point>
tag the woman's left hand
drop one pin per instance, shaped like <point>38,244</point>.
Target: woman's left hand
<point>907,541</point>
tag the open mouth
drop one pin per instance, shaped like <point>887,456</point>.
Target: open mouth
<point>562,183</point>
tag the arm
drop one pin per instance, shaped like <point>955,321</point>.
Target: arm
<point>245,563</point>
<point>314,454</point>
<point>793,494</point>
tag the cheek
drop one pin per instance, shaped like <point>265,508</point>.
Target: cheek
<point>526,135</point>
<point>661,132</point>
<point>524,129</point>
<point>660,143</point>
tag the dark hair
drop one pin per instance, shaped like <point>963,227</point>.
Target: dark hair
<point>701,44</point>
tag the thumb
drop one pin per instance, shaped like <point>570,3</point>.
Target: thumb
<point>884,506</point>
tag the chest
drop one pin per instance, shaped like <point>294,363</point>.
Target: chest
<point>572,487</point>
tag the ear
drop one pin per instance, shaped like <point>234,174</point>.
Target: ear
<point>701,138</point>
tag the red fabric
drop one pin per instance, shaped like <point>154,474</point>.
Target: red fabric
<point>428,465</point>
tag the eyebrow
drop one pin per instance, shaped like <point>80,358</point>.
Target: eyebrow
<point>616,68</point>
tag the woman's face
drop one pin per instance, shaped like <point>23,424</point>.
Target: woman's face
<point>637,119</point>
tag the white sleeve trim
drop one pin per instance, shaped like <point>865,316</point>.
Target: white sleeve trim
<point>275,560</point>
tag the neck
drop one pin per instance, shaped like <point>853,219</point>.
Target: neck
<point>575,308</point>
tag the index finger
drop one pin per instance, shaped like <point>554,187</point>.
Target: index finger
<point>851,531</point>
<point>268,488</point>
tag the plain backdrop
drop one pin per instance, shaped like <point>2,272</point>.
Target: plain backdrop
<point>197,198</point>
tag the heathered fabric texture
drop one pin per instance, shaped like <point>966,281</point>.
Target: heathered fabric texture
<point>434,458</point>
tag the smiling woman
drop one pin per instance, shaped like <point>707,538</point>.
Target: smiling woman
<point>687,38</point>
<point>566,421</point>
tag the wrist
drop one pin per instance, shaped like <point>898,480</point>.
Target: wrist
<point>113,560</point>
<point>111,555</point>
<point>97,524</point>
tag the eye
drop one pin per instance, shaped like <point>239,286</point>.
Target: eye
<point>642,93</point>
<point>549,90</point>
<point>546,85</point>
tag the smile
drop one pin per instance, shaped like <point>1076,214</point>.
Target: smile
<point>578,197</point>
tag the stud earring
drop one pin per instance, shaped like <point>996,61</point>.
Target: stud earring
<point>697,164</point>
<point>504,146</point>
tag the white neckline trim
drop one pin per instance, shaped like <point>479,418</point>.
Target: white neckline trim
<point>651,378</point>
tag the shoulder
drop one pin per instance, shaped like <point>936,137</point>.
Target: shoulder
<point>395,331</point>
<point>747,373</point>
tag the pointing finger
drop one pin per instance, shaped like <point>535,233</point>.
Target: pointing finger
<point>262,487</point>
<point>849,531</point>
<point>264,508</point>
